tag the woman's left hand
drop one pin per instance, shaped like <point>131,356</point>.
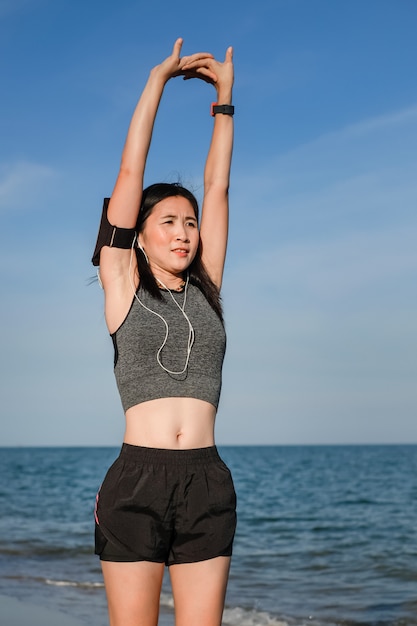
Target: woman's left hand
<point>221,75</point>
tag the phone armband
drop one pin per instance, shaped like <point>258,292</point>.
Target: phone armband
<point>112,236</point>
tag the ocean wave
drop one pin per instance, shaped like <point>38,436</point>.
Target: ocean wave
<point>167,600</point>
<point>243,617</point>
<point>73,583</point>
<point>57,583</point>
<point>235,616</point>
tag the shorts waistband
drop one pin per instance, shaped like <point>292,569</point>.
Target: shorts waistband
<point>165,456</point>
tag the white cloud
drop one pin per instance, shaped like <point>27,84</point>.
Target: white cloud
<point>380,146</point>
<point>20,182</point>
<point>342,228</point>
<point>337,268</point>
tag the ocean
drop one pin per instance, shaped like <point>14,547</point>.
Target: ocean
<point>327,535</point>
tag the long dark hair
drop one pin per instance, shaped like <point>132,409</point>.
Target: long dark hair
<point>197,272</point>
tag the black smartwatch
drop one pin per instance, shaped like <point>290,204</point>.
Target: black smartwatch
<point>225,109</point>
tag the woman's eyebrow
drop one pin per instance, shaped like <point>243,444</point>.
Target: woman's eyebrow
<point>169,216</point>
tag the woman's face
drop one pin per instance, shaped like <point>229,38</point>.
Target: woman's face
<point>170,236</point>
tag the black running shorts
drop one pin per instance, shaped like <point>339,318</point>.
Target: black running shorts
<point>165,506</point>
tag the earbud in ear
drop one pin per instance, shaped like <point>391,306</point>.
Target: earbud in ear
<point>143,252</point>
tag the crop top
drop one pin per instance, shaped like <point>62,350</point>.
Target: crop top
<point>136,342</point>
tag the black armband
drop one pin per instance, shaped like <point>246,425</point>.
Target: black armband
<point>112,236</point>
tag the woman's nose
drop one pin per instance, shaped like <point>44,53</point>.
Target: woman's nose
<point>182,234</point>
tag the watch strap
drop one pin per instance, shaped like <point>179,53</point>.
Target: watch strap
<point>224,109</point>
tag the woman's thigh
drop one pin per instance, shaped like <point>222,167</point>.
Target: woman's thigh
<point>199,591</point>
<point>133,592</point>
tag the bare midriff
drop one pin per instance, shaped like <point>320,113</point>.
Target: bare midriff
<point>171,423</point>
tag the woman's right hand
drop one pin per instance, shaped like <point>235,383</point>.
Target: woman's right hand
<point>174,64</point>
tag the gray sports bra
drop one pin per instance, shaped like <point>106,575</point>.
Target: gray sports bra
<point>140,377</point>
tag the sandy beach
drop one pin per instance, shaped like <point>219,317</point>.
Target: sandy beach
<point>18,613</point>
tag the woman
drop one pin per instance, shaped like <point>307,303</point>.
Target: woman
<point>168,499</point>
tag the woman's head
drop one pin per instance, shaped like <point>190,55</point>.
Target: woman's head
<point>168,229</point>
<point>160,191</point>
<point>198,275</point>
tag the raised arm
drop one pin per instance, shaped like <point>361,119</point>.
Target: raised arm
<point>215,211</point>
<point>125,201</point>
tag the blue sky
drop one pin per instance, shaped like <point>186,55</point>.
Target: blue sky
<point>320,286</point>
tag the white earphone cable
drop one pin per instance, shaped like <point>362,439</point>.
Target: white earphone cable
<point>191,333</point>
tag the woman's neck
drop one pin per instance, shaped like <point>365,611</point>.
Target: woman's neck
<point>174,283</point>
